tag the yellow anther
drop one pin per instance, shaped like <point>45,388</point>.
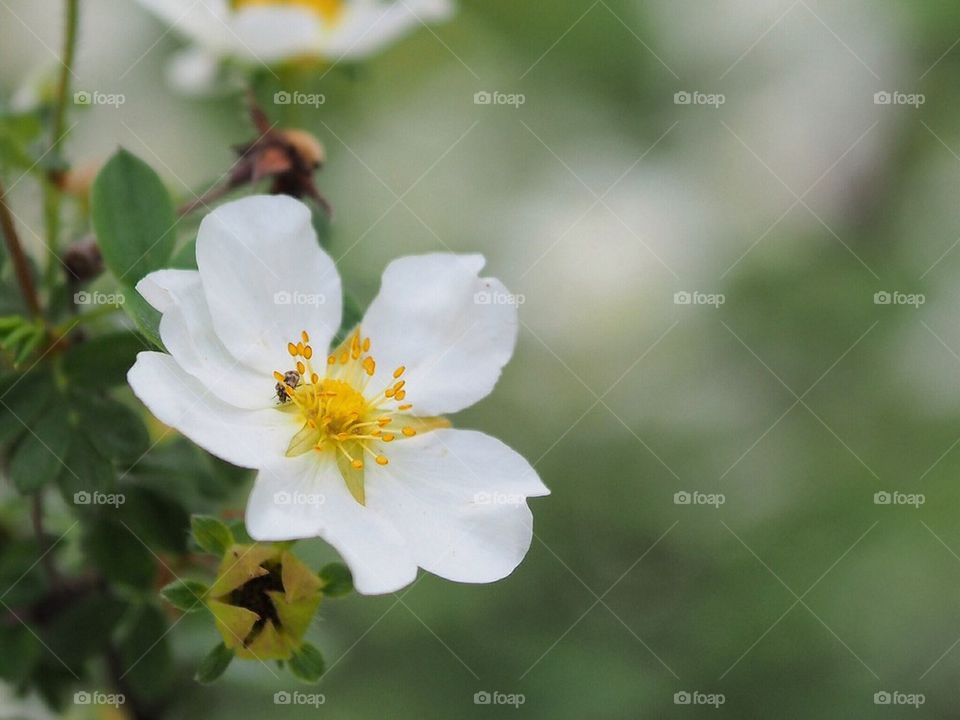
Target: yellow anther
<point>304,336</point>
<point>278,376</point>
<point>331,360</point>
<point>300,348</point>
<point>366,345</point>
<point>307,352</point>
<point>389,392</point>
<point>345,357</point>
<point>300,368</point>
<point>288,390</point>
<point>388,437</point>
<point>292,349</point>
<point>400,394</point>
<point>399,371</point>
<point>384,421</point>
<point>369,365</point>
<point>406,407</point>
<point>409,431</point>
<point>357,464</point>
<point>314,378</point>
<point>382,460</point>
<point>399,385</point>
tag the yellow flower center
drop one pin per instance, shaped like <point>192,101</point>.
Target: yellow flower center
<point>328,10</point>
<point>337,413</point>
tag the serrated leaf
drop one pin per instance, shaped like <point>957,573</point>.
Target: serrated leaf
<point>115,429</point>
<point>214,664</point>
<point>41,454</point>
<point>133,218</point>
<point>337,579</point>
<point>119,555</point>
<point>102,362</point>
<point>185,595</point>
<point>307,663</point>
<point>211,534</point>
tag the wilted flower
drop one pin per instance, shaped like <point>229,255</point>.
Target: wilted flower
<point>267,32</point>
<point>350,442</point>
<point>263,601</point>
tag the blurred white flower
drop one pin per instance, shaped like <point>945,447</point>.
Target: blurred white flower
<point>265,32</point>
<point>343,452</point>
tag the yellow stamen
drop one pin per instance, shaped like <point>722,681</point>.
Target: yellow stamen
<point>304,336</point>
<point>409,431</point>
<point>399,371</point>
<point>278,376</point>
<point>292,349</point>
<point>307,352</point>
<point>382,460</point>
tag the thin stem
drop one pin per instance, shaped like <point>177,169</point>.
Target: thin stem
<point>52,192</point>
<point>20,265</point>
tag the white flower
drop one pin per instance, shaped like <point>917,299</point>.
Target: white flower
<point>258,32</point>
<point>350,442</point>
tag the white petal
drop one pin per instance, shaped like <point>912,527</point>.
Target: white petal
<point>272,33</point>
<point>459,499</point>
<point>267,279</point>
<point>249,438</point>
<point>204,21</point>
<point>367,27</point>
<point>187,332</point>
<point>451,329</point>
<point>306,497</point>
<point>193,71</point>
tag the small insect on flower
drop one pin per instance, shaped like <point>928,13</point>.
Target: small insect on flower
<point>352,445</point>
<point>289,379</point>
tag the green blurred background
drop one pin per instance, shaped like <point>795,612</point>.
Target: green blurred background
<point>798,398</point>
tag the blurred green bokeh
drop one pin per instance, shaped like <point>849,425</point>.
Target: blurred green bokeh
<point>798,398</point>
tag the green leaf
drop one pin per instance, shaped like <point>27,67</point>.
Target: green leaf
<point>211,534</point>
<point>117,431</point>
<point>145,317</point>
<point>90,477</point>
<point>307,663</point>
<point>21,653</point>
<point>160,520</point>
<point>185,595</point>
<point>145,652</point>
<point>83,629</point>
<point>118,554</point>
<point>337,579</point>
<point>214,664</point>
<point>40,455</point>
<point>102,362</point>
<point>133,218</point>
<point>22,399</point>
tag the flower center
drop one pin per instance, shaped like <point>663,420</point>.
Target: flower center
<point>337,412</point>
<point>328,10</point>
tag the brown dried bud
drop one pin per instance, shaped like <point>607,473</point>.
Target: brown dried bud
<point>83,260</point>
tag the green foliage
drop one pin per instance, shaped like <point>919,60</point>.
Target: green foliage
<point>307,663</point>
<point>102,362</point>
<point>39,457</point>
<point>115,429</point>
<point>133,218</point>
<point>120,556</point>
<point>135,224</point>
<point>185,595</point>
<point>337,579</point>
<point>214,664</point>
<point>20,336</point>
<point>144,649</point>
<point>211,534</point>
